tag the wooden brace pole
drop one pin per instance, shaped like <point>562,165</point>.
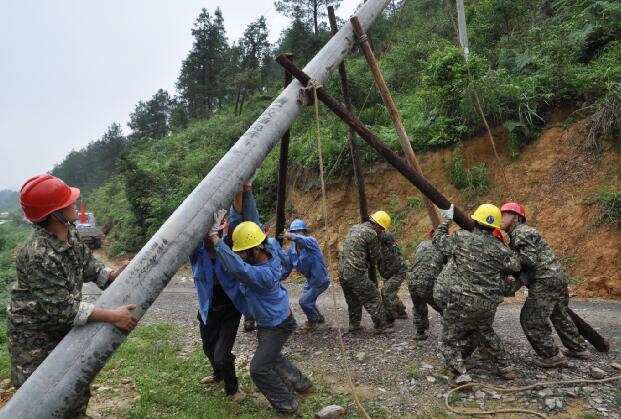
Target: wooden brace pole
<point>374,141</point>
<point>406,146</point>
<point>281,192</point>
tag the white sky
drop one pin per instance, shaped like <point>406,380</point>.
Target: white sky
<point>70,68</point>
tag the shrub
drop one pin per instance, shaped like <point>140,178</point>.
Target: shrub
<point>473,180</point>
<point>609,202</point>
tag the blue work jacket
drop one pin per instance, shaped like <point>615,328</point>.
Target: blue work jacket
<point>308,261</point>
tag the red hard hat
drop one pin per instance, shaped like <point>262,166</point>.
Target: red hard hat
<point>42,195</point>
<point>513,207</point>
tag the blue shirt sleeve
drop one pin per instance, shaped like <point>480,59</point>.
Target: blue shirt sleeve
<point>252,276</point>
<point>287,265</point>
<point>249,208</point>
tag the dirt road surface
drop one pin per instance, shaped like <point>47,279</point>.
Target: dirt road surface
<point>399,375</point>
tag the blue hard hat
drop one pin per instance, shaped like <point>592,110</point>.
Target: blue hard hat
<point>298,224</point>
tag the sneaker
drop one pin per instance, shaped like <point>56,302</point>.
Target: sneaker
<point>557,360</point>
<point>506,373</point>
<point>421,336</point>
<point>238,397</point>
<point>576,354</point>
<point>384,330</point>
<point>210,380</point>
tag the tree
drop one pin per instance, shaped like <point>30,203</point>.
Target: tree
<point>252,52</point>
<point>151,119</point>
<point>200,83</point>
<point>298,39</point>
<point>312,10</point>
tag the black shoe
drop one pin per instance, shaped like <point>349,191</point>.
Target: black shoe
<point>321,319</point>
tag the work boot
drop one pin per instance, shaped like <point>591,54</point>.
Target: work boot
<point>288,409</point>
<point>421,335</point>
<point>249,325</point>
<point>308,390</point>
<point>402,315</point>
<point>557,360</point>
<point>506,373</point>
<point>354,328</point>
<point>576,354</point>
<point>311,324</point>
<point>382,330</point>
<point>238,397</point>
<point>210,379</point>
<point>321,319</point>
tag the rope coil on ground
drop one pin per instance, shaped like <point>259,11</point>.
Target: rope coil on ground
<point>314,85</point>
<point>511,390</point>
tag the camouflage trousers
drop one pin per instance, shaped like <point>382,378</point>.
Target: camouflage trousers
<point>393,305</point>
<point>28,349</point>
<point>467,323</point>
<point>421,293</point>
<point>360,291</point>
<point>548,303</point>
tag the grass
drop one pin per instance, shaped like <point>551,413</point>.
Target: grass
<point>609,202</point>
<point>169,386</point>
<point>413,372</point>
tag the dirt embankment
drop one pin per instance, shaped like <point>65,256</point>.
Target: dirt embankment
<point>552,178</point>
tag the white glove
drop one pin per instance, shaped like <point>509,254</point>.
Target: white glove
<point>217,219</point>
<point>447,213</point>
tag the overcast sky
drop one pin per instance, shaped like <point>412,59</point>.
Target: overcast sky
<point>70,68</point>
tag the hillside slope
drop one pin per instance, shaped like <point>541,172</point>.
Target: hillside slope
<point>552,178</point>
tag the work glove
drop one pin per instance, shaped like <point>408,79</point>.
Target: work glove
<point>447,213</point>
<point>284,235</point>
<point>218,216</point>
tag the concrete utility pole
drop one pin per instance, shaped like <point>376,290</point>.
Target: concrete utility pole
<point>404,140</point>
<point>75,362</point>
<point>463,29</point>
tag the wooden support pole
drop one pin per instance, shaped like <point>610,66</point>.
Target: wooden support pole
<point>374,141</point>
<point>392,110</point>
<point>353,145</point>
<point>281,191</point>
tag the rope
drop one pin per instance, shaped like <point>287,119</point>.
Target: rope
<point>314,85</point>
<point>511,390</point>
<point>477,101</point>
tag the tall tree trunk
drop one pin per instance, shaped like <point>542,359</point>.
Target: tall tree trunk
<point>315,6</point>
<point>237,98</point>
<point>241,105</point>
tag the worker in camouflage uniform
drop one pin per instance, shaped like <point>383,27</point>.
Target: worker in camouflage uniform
<point>475,291</point>
<point>427,266</point>
<point>548,295</point>
<point>46,300</point>
<point>392,268</point>
<point>360,249</point>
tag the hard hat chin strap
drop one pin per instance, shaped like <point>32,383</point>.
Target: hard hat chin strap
<point>60,217</point>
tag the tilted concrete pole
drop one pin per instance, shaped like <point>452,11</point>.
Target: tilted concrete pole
<point>84,351</point>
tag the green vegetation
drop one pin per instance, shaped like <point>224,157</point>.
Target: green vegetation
<point>527,57</point>
<point>12,232</point>
<point>9,200</point>
<point>609,203</point>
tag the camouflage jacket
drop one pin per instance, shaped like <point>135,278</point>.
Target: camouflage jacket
<point>536,256</point>
<point>391,262</point>
<point>360,248</point>
<point>427,265</point>
<point>480,262</point>
<point>50,272</point>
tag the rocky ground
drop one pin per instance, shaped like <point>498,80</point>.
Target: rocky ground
<point>398,376</point>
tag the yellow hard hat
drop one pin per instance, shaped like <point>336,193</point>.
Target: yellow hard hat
<point>246,236</point>
<point>487,214</point>
<point>382,218</point>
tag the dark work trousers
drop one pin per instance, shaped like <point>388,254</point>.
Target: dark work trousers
<point>274,375</point>
<point>218,337</point>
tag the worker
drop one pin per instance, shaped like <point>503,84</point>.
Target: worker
<point>475,292</point>
<point>251,261</point>
<point>220,306</point>
<point>244,208</point>
<point>548,296</point>
<point>360,250</point>
<point>393,268</point>
<point>46,299</point>
<point>305,256</point>
<point>427,266</point>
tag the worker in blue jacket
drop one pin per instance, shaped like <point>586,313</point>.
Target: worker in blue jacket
<point>220,306</point>
<point>253,263</point>
<point>305,256</point>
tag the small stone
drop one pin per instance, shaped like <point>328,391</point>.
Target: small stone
<point>361,356</point>
<point>431,379</point>
<point>509,399</point>
<point>597,373</point>
<point>597,400</point>
<point>463,379</point>
<point>102,389</point>
<point>126,380</point>
<point>495,396</point>
<point>426,366</point>
<point>412,382</point>
<point>479,394</point>
<point>333,411</point>
<point>5,384</point>
<point>545,392</point>
<point>588,389</point>
<point>554,403</point>
<point>318,353</point>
